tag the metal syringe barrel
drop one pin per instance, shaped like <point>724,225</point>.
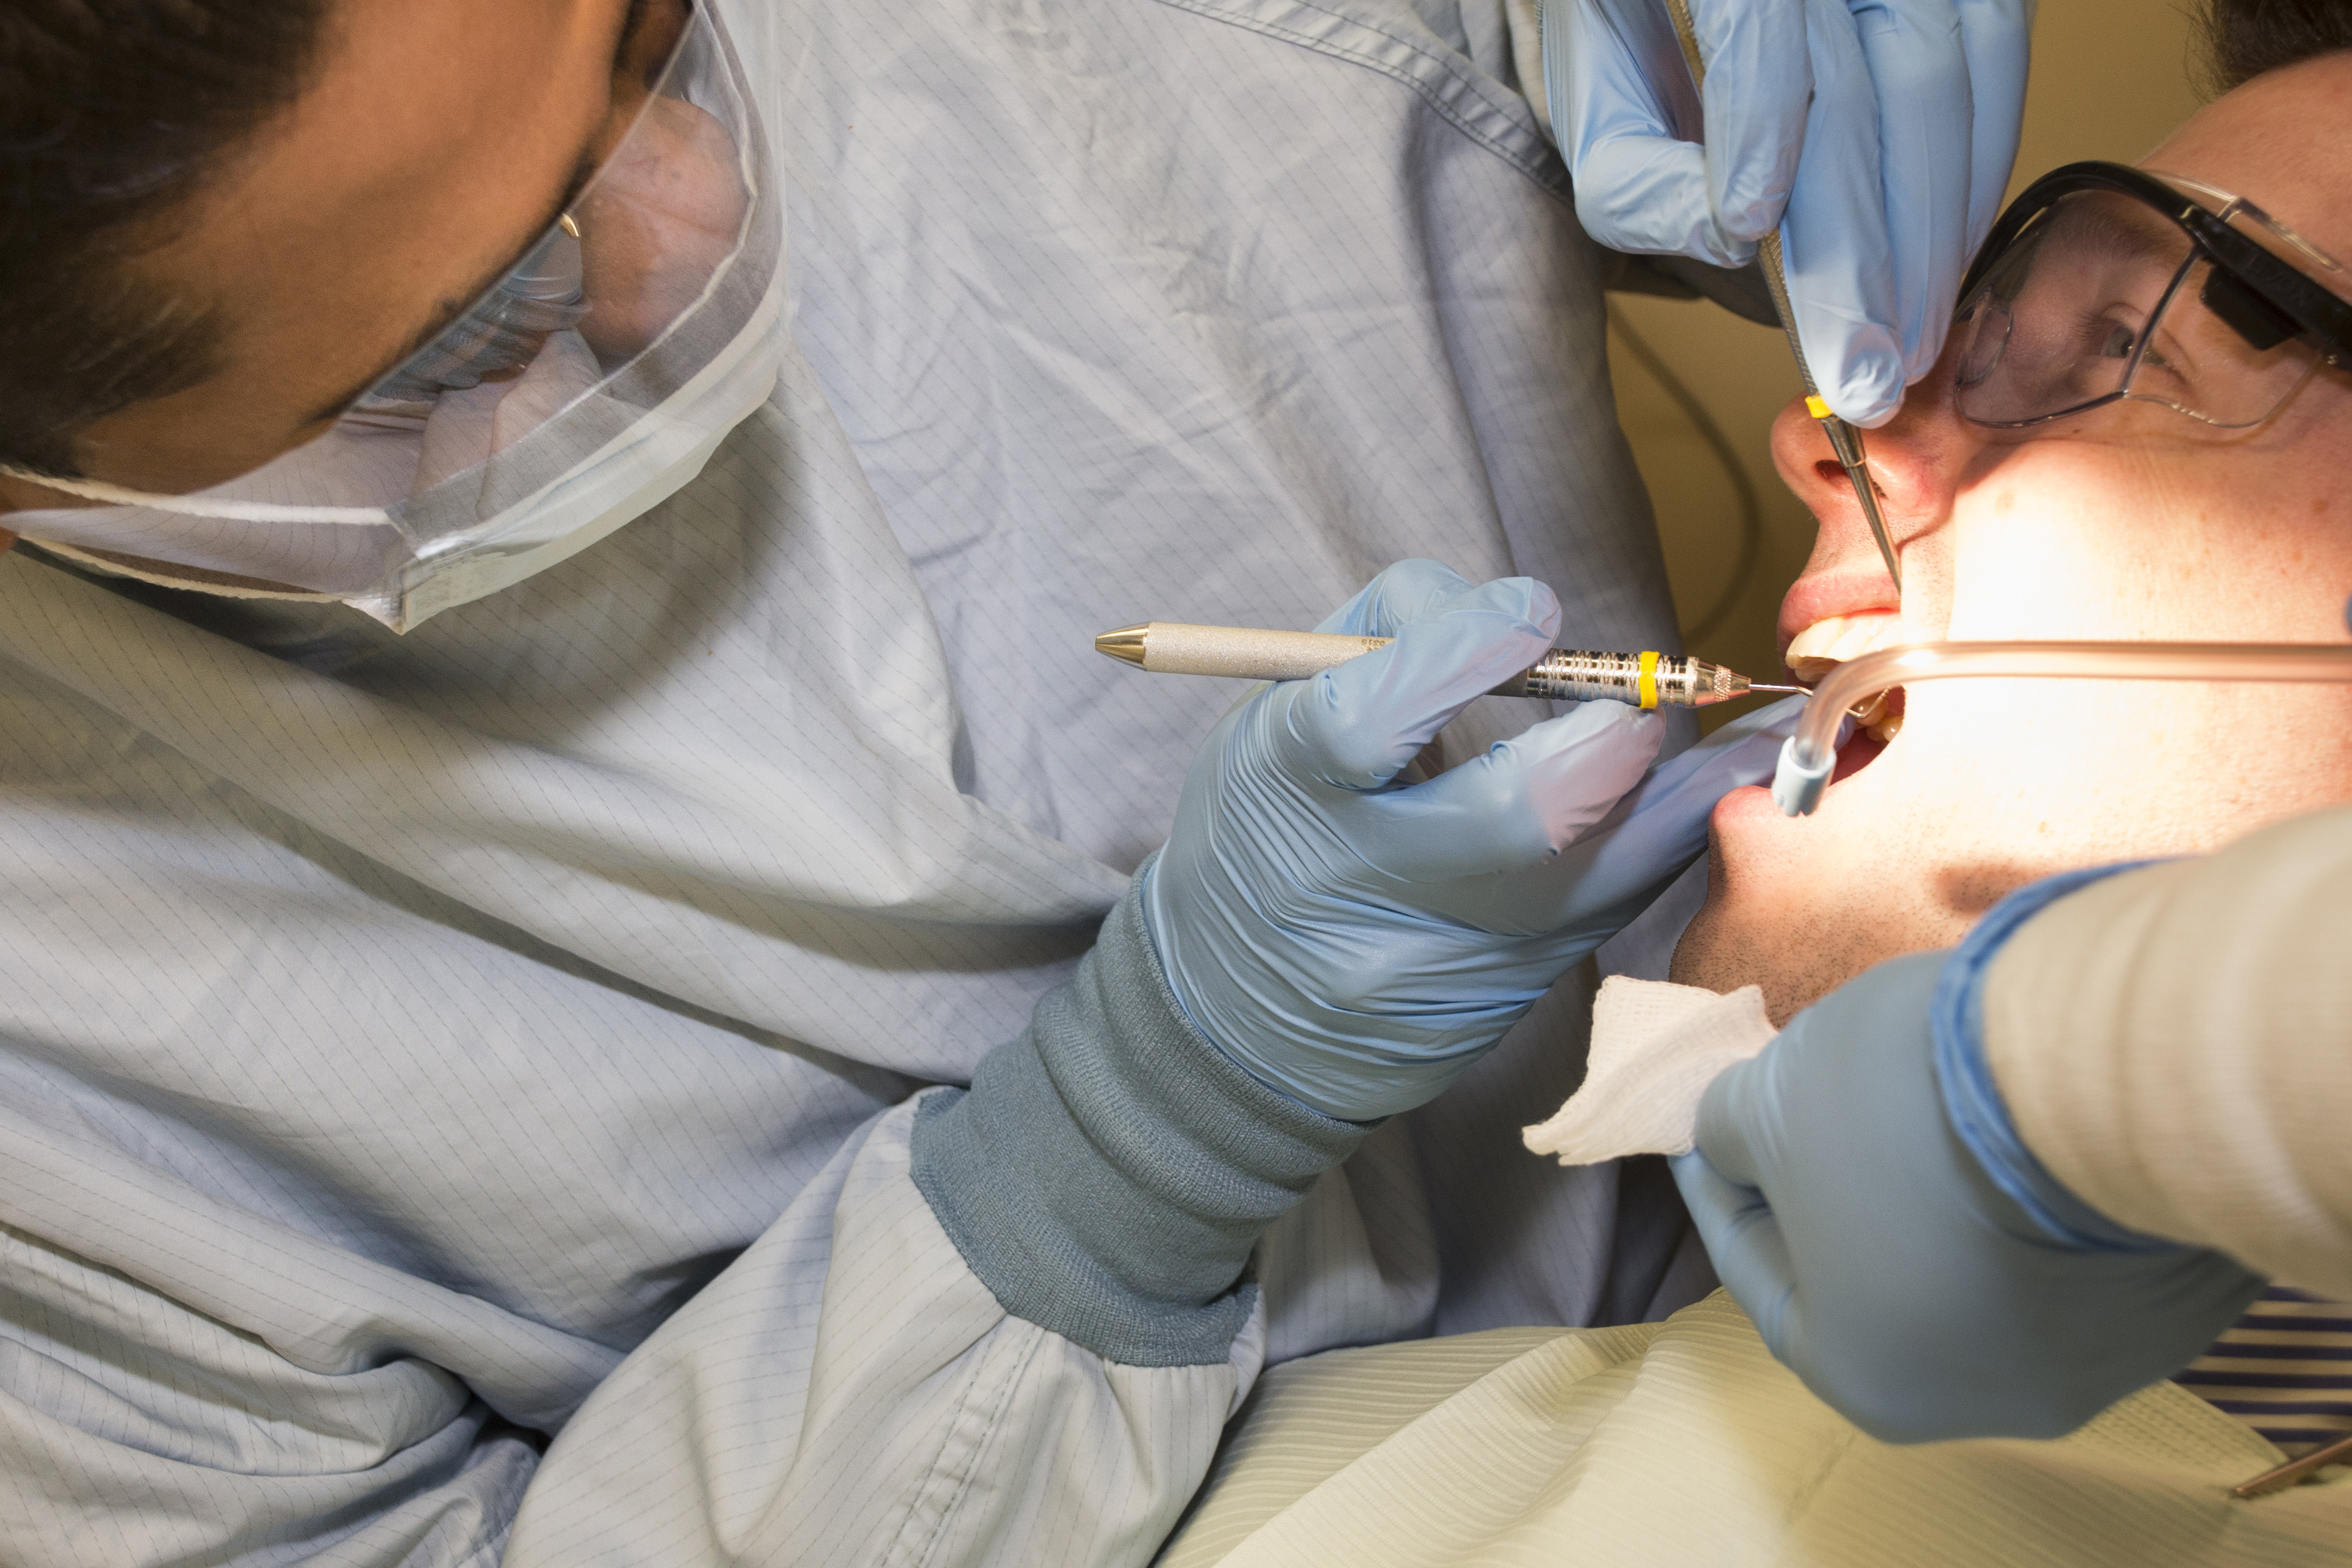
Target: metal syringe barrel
<point>1568,675</point>
<point>1642,679</point>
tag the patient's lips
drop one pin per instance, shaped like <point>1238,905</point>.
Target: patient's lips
<point>1829,642</point>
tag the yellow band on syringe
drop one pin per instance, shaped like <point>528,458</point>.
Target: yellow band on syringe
<point>1649,687</point>
<point>1816,407</point>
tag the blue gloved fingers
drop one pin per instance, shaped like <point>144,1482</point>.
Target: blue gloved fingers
<point>1519,803</point>
<point>1728,1180</point>
<point>1744,752</point>
<point>1927,66</point>
<point>1759,78</point>
<point>1660,823</point>
<point>1743,1239</point>
<point>1837,122</point>
<point>1919,77</point>
<point>1993,36</point>
<point>1730,1169</point>
<point>1735,1110</point>
<point>1834,240</point>
<point>1356,725</point>
<point>1628,123</point>
<point>1609,873</point>
<point>1404,590</point>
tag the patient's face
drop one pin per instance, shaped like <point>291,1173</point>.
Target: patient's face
<point>2131,523</point>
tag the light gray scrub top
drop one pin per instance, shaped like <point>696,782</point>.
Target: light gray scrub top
<point>414,1050</point>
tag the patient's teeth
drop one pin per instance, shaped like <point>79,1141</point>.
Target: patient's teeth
<point>1815,639</point>
<point>1808,657</point>
<point>1860,637</point>
<point>1832,640</point>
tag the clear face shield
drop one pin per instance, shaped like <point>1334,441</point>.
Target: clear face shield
<point>2102,284</point>
<point>588,385</point>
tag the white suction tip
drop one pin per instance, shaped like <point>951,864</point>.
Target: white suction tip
<point>1797,789</point>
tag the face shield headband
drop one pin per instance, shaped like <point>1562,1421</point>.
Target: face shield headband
<point>2102,283</point>
<point>574,396</point>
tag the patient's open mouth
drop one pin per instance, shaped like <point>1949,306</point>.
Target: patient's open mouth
<point>1830,642</point>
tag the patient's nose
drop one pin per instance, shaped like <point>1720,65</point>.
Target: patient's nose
<point>1916,461</point>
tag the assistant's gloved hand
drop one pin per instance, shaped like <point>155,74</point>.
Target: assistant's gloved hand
<point>1876,134</point>
<point>1866,1202</point>
<point>1356,944</point>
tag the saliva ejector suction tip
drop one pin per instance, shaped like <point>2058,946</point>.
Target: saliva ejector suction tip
<point>1809,756</point>
<point>1797,784</point>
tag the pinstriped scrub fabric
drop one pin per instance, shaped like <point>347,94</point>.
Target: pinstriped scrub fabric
<point>469,1078</point>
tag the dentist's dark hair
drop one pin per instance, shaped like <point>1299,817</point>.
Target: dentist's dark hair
<point>113,115</point>
<point>2241,40</point>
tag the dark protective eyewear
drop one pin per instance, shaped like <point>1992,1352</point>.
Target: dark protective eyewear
<point>2102,282</point>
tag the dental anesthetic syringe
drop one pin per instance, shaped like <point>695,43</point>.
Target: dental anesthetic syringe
<point>1808,756</point>
<point>1569,674</point>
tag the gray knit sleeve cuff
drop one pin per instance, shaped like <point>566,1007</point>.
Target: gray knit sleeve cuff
<point>1108,1171</point>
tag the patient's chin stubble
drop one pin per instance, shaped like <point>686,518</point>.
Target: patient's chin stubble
<point>1797,955</point>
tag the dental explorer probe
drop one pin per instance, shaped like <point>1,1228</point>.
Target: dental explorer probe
<point>1568,675</point>
<point>1845,440</point>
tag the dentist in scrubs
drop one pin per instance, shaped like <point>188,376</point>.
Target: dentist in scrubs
<point>587,969</point>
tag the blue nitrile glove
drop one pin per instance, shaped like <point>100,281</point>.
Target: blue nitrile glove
<point>1876,134</point>
<point>1356,944</point>
<point>1867,1202</point>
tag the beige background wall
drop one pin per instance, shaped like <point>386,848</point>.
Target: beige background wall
<point>2110,79</point>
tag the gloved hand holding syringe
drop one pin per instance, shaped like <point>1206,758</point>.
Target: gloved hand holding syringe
<point>1355,939</point>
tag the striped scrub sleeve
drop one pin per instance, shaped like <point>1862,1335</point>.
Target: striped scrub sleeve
<point>2284,1369</point>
